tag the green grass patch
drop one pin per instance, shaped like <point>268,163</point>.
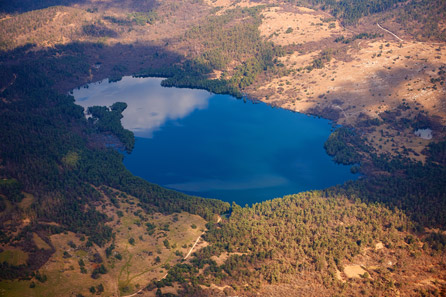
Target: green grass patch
<point>40,243</point>
<point>14,257</point>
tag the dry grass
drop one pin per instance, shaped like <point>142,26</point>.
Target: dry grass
<point>137,267</point>
<point>303,25</point>
<point>378,76</point>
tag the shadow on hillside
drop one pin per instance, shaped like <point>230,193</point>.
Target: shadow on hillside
<point>76,64</point>
<point>21,6</point>
<point>383,88</point>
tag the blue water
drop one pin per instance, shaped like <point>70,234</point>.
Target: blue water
<point>217,146</point>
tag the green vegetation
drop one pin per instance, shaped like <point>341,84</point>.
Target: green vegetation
<point>421,18</point>
<point>31,26</point>
<point>231,37</point>
<point>191,75</point>
<point>416,188</point>
<point>13,257</point>
<point>12,189</point>
<point>342,145</point>
<point>319,63</point>
<point>98,271</point>
<point>307,235</point>
<point>166,243</point>
<point>109,120</point>
<point>350,11</point>
<point>68,163</point>
<point>355,37</point>
<point>235,36</point>
<point>226,38</point>
<point>137,18</point>
<point>141,18</point>
<point>63,156</point>
<point>428,15</point>
<point>98,30</point>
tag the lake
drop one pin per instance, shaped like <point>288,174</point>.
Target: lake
<point>218,146</point>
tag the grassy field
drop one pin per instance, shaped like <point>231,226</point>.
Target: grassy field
<point>14,257</point>
<point>139,255</point>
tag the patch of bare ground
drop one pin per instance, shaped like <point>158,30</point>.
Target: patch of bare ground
<point>296,25</point>
<point>339,276</point>
<point>354,271</point>
<point>220,260</point>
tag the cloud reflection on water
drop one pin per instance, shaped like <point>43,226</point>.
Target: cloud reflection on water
<point>149,106</point>
<point>248,183</point>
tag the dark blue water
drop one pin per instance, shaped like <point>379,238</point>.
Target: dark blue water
<point>217,146</point>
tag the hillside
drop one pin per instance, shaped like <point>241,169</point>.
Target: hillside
<point>75,222</point>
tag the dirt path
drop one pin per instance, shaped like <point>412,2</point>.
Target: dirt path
<point>196,241</point>
<point>187,256</point>
<point>389,32</point>
<point>192,248</point>
<point>134,294</point>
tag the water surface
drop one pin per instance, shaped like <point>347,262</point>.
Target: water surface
<point>218,146</point>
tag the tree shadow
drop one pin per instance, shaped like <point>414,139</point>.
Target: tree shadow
<point>76,64</point>
<point>388,94</point>
<point>21,6</point>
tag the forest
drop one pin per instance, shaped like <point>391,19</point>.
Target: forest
<point>351,11</point>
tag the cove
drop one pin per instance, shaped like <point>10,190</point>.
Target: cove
<point>217,146</point>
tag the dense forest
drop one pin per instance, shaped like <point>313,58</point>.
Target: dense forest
<point>428,14</point>
<point>352,10</point>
